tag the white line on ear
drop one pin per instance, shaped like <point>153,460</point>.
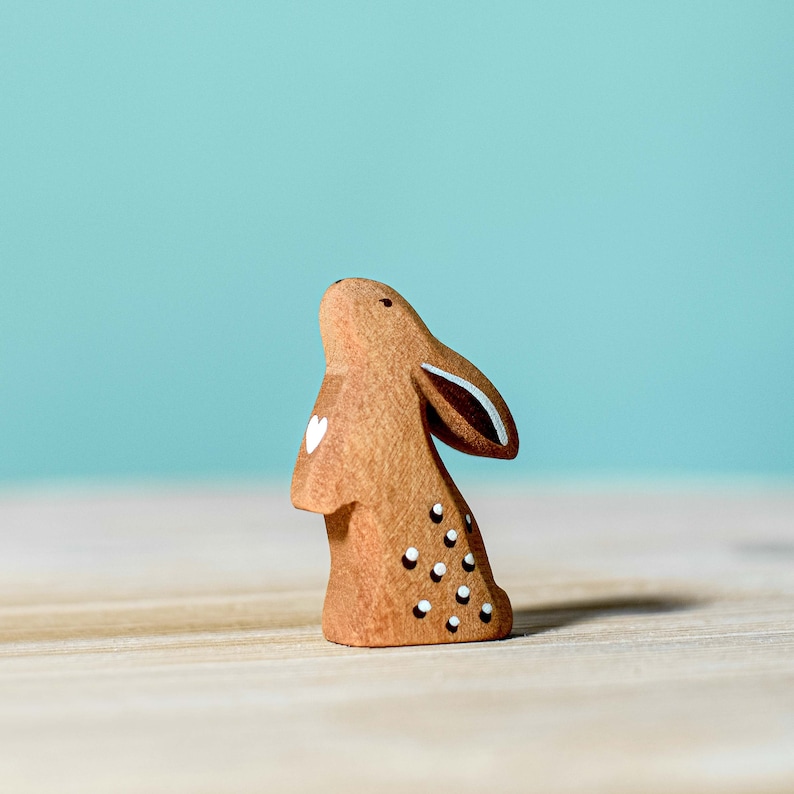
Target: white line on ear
<point>478,395</point>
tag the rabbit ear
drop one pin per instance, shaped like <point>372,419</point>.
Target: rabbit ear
<point>464,409</point>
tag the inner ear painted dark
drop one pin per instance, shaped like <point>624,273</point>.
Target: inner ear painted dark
<point>386,302</point>
<point>466,404</point>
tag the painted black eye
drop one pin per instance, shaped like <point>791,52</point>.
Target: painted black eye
<point>385,301</point>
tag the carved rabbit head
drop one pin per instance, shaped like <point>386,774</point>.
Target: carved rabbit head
<point>368,327</point>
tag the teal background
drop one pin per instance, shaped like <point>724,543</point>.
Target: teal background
<point>594,202</point>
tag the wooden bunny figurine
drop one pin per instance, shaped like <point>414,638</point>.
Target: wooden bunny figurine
<point>408,564</point>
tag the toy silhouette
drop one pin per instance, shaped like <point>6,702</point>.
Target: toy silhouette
<point>408,563</point>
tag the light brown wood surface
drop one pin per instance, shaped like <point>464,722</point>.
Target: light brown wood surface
<point>168,640</point>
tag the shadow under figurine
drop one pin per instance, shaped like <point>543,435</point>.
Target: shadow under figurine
<point>408,563</point>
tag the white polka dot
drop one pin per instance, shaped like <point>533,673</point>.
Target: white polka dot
<point>439,569</point>
<point>438,508</point>
<point>454,621</point>
<point>452,536</point>
<point>487,608</point>
<point>412,554</point>
<point>424,606</point>
<point>469,559</point>
<point>464,591</point>
<point>468,518</point>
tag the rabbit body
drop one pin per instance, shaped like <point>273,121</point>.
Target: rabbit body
<point>408,563</point>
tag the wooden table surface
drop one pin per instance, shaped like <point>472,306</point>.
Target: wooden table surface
<point>168,640</point>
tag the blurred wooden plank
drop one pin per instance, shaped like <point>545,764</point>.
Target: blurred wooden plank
<point>168,640</point>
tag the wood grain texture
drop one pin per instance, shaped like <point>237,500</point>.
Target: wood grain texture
<point>169,640</point>
<point>408,562</point>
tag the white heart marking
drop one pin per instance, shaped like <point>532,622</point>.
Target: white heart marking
<point>315,432</point>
